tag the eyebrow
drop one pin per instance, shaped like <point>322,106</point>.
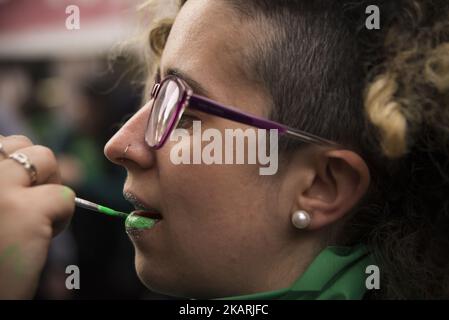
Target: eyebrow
<point>195,85</point>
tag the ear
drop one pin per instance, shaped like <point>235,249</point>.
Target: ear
<point>341,179</point>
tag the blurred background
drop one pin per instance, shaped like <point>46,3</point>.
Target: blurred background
<point>60,87</point>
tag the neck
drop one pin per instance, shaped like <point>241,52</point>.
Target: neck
<point>282,270</point>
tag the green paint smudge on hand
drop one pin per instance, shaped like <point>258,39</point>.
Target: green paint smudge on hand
<point>8,252</point>
<point>138,222</point>
<point>12,254</point>
<point>67,193</point>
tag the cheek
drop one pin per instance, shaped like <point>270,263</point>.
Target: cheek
<point>215,205</point>
<point>204,188</point>
<point>217,218</point>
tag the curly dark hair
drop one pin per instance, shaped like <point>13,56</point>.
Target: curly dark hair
<point>384,93</point>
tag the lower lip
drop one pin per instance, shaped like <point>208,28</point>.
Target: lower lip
<point>136,224</point>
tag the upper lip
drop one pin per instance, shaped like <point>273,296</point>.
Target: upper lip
<point>137,203</point>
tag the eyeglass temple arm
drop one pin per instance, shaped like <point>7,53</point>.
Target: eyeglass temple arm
<point>209,106</point>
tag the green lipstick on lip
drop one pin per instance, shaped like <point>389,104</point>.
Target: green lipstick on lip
<point>134,221</point>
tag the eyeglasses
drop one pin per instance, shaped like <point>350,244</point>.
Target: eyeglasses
<point>173,95</point>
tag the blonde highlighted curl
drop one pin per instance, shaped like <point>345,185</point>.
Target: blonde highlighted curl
<point>412,94</point>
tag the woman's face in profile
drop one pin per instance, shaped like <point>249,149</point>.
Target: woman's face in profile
<point>225,229</point>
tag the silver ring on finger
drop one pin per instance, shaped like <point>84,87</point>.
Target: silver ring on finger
<point>23,160</point>
<point>3,152</point>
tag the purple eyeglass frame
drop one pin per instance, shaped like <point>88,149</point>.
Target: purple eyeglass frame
<point>189,99</point>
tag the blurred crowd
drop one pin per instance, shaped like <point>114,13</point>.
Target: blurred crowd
<point>74,107</point>
<point>62,88</point>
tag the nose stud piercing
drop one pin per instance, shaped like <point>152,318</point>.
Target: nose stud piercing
<point>301,219</point>
<point>126,150</point>
<point>122,159</point>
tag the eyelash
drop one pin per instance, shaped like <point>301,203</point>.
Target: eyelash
<point>190,123</point>
<point>157,76</point>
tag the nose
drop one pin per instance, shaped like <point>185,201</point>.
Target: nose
<point>128,147</point>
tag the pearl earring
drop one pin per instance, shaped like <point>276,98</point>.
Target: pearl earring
<point>301,219</point>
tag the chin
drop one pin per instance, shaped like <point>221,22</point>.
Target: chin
<point>160,280</point>
<point>155,278</point>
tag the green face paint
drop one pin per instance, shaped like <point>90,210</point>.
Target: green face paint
<point>138,222</point>
<point>99,208</point>
<point>132,222</point>
<point>111,212</point>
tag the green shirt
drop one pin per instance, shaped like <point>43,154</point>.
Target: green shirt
<point>337,273</point>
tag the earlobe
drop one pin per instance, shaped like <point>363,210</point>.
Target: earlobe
<point>341,180</point>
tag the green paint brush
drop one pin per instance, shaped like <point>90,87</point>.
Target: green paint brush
<point>99,208</point>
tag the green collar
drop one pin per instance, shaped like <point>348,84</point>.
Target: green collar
<point>337,273</point>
